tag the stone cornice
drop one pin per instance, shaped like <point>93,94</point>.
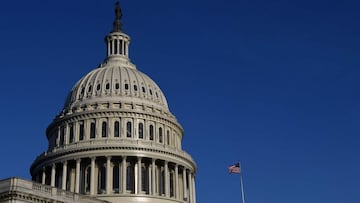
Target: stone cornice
<point>109,148</point>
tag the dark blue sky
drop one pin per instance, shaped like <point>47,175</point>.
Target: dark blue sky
<point>274,84</point>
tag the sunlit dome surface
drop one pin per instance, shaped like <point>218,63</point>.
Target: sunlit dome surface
<point>115,82</point>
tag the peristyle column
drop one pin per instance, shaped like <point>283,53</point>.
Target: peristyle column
<point>64,175</point>
<point>166,174</point>
<point>184,182</point>
<point>176,181</point>
<point>77,176</point>
<point>53,171</point>
<point>123,168</point>
<point>43,178</point>
<point>139,176</point>
<point>108,175</point>
<point>92,176</point>
<point>153,177</point>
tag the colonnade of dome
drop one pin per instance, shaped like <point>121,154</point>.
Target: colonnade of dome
<point>121,176</point>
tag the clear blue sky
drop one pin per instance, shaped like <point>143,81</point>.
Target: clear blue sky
<point>274,84</point>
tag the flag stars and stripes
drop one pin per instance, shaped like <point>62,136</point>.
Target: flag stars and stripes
<point>235,168</point>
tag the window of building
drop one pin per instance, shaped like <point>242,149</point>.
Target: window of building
<point>116,179</point>
<point>117,129</point>
<point>168,137</point>
<point>143,89</point>
<point>116,46</point>
<point>117,86</point>
<point>62,135</point>
<point>102,180</point>
<point>107,86</point>
<point>121,45</point>
<point>104,129</point>
<point>81,131</point>
<point>172,184</point>
<point>135,87</point>
<point>87,179</point>
<point>126,86</point>
<point>98,87</point>
<point>161,181</point>
<point>128,129</point>
<point>130,178</point>
<point>71,136</point>
<point>141,131</point>
<point>92,130</point>
<point>111,47</point>
<point>144,179</point>
<point>151,132</point>
<point>160,135</point>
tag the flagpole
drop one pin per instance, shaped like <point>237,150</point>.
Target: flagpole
<point>241,185</point>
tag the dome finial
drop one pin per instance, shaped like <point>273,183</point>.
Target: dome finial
<point>117,25</point>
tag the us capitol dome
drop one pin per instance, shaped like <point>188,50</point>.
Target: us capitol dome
<point>115,140</point>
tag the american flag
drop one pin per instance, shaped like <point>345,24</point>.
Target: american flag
<point>235,168</point>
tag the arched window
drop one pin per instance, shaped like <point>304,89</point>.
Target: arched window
<point>92,130</point>
<point>101,180</point>
<point>116,179</point>
<point>160,135</point>
<point>168,137</point>
<point>151,132</point>
<point>128,129</point>
<point>104,129</point>
<point>81,131</point>
<point>62,135</point>
<point>117,129</point>
<point>141,131</point>
<point>71,136</point>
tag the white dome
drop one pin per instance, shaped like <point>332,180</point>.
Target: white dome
<point>113,82</point>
